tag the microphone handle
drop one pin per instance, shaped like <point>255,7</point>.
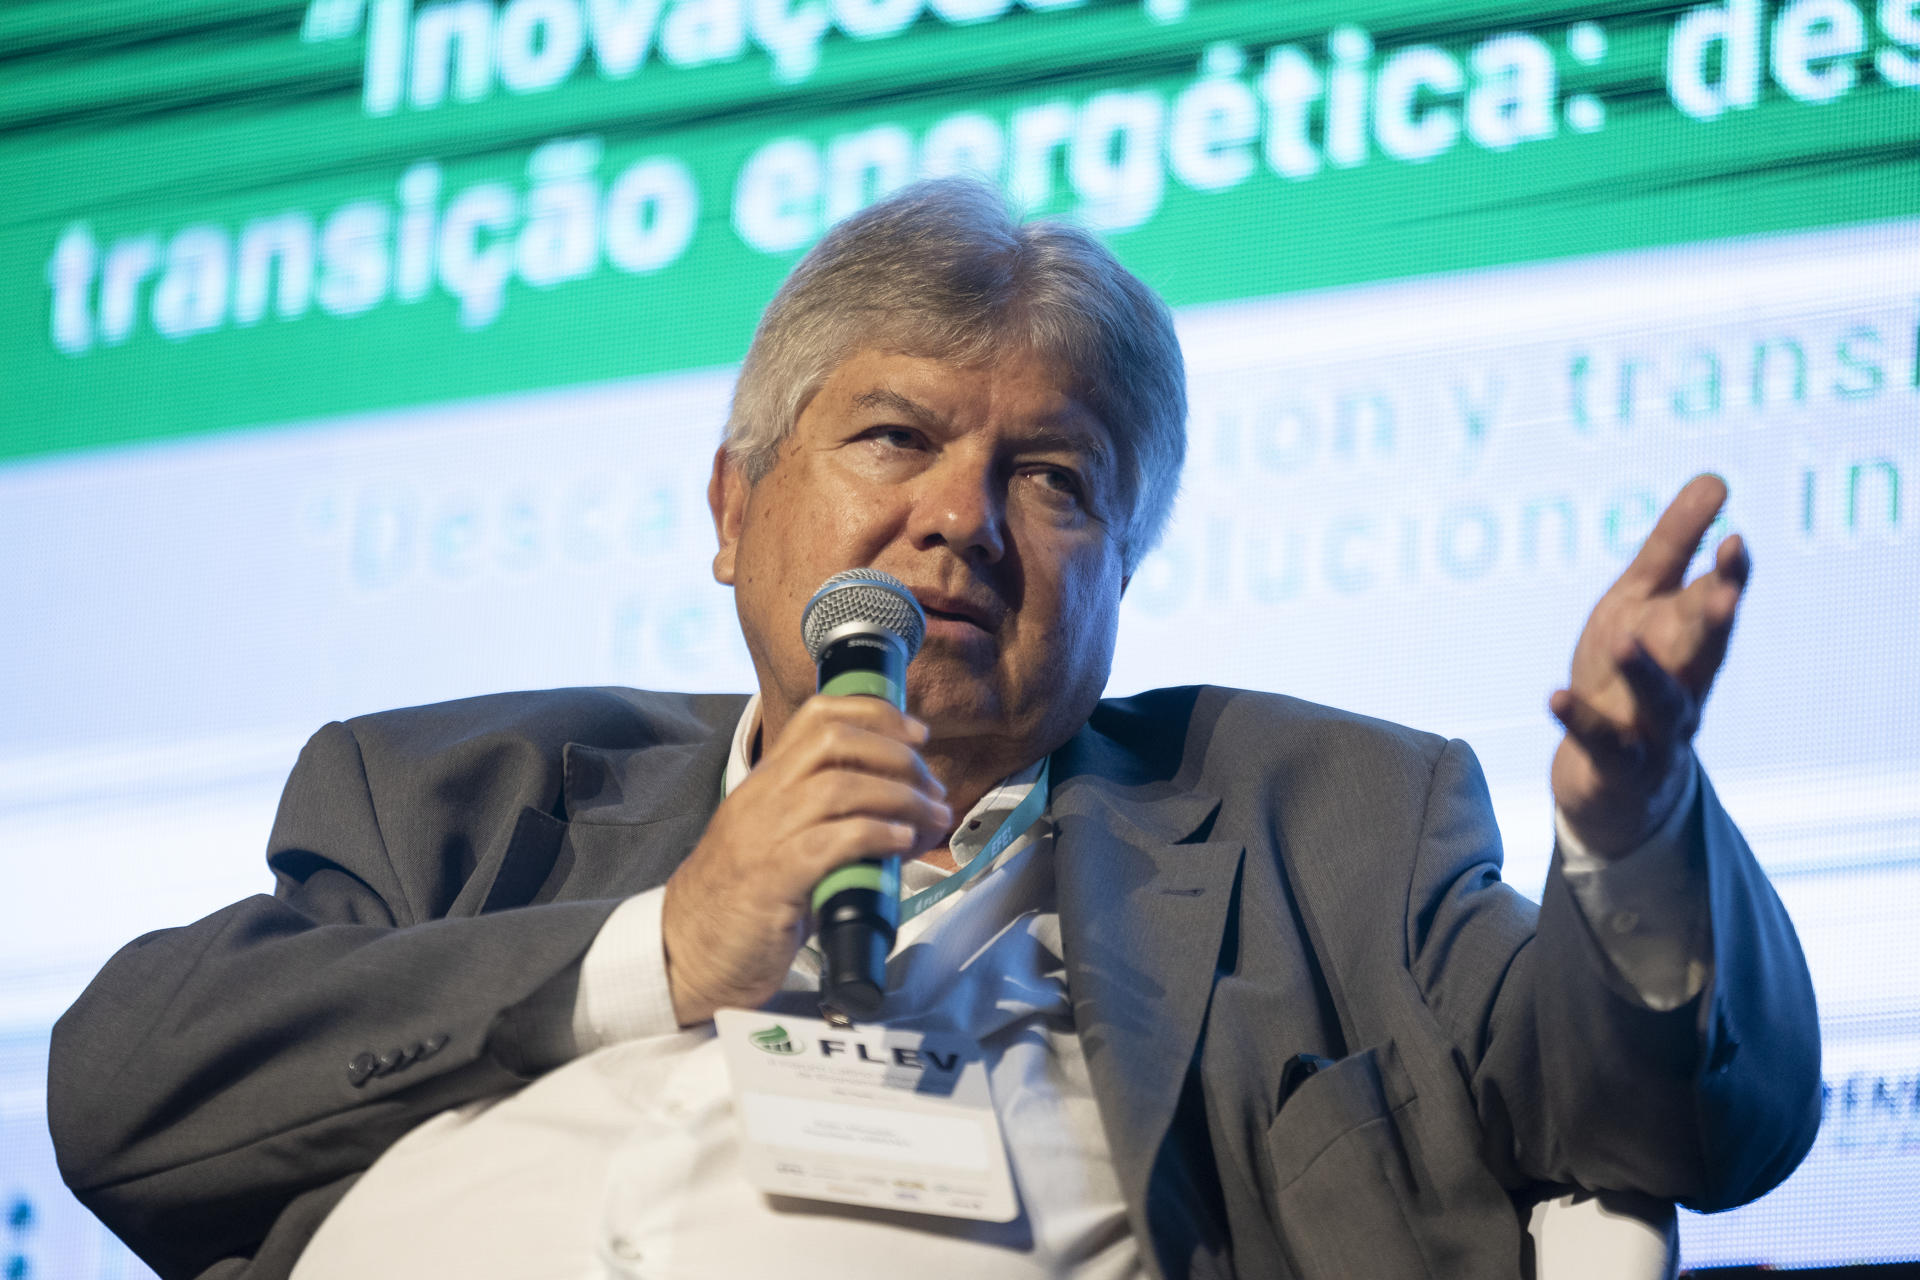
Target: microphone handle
<point>857,907</point>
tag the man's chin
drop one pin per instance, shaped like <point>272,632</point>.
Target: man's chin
<point>958,655</point>
<point>955,703</point>
<point>981,714</point>
<point>950,721</point>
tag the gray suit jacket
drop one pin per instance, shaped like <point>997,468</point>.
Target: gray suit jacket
<point>1251,887</point>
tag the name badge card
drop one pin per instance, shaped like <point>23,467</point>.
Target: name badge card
<point>873,1116</point>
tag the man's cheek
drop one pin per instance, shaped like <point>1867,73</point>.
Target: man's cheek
<point>1090,606</point>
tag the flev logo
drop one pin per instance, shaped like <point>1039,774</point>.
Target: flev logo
<point>775,1039</point>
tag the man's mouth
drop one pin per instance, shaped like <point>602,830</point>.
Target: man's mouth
<point>940,608</point>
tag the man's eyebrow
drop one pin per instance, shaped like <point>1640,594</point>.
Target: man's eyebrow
<point>1068,440</point>
<point>1047,437</point>
<point>893,401</point>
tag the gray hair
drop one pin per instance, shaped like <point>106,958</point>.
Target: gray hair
<point>941,269</point>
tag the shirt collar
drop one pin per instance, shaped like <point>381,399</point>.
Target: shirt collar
<point>740,759</point>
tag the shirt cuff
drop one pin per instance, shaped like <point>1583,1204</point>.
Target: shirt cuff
<point>1648,909</point>
<point>623,993</point>
<point>617,991</point>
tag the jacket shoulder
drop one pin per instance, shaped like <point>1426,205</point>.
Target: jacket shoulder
<point>437,787</point>
<point>1241,730</point>
<point>608,717</point>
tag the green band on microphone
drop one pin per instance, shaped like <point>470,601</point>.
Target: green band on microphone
<point>882,878</point>
<point>872,683</point>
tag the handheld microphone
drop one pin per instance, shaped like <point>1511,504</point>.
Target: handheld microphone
<point>861,628</point>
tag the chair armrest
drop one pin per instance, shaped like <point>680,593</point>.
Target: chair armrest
<point>1603,1235</point>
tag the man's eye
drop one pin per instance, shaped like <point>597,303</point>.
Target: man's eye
<point>895,437</point>
<point>1057,481</point>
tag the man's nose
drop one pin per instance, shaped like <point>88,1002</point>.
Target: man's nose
<point>961,505</point>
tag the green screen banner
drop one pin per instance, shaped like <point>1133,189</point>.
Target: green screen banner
<point>232,213</point>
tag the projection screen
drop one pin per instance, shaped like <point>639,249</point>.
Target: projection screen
<point>365,353</point>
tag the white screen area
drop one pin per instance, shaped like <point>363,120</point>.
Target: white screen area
<point>1401,499</point>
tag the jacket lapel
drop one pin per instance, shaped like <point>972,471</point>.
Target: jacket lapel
<point>1143,908</point>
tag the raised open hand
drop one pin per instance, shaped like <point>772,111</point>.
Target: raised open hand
<point>1641,673</point>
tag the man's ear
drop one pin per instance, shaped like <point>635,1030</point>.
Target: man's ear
<point>727,500</point>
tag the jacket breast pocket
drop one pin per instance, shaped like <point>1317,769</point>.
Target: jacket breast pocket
<point>1343,1180</point>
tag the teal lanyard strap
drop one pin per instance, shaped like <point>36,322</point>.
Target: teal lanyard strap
<point>1024,815</point>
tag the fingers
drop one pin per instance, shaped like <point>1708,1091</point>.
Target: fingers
<point>1641,673</point>
<point>1615,749</point>
<point>1617,779</point>
<point>843,761</point>
<point>844,780</point>
<point>850,839</point>
<point>877,715</point>
<point>1714,596</point>
<point>1663,709</point>
<point>1726,581</point>
<point>1639,736</point>
<point>1731,563</point>
<point>1662,560</point>
<point>1711,603</point>
<point>865,735</point>
<point>1688,628</point>
<point>842,796</point>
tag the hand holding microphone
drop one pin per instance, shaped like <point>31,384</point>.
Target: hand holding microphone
<point>861,628</point>
<point>844,782</point>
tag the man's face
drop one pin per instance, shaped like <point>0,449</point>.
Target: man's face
<point>991,492</point>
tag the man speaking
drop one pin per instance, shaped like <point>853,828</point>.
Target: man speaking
<point>1236,974</point>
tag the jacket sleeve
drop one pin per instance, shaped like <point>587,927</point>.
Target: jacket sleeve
<point>212,1075</point>
<point>1575,1080</point>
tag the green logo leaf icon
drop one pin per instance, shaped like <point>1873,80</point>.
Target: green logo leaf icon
<point>774,1040</point>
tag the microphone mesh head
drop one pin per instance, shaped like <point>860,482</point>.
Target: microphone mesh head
<point>862,595</point>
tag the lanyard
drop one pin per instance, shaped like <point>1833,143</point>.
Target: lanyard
<point>1023,816</point>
